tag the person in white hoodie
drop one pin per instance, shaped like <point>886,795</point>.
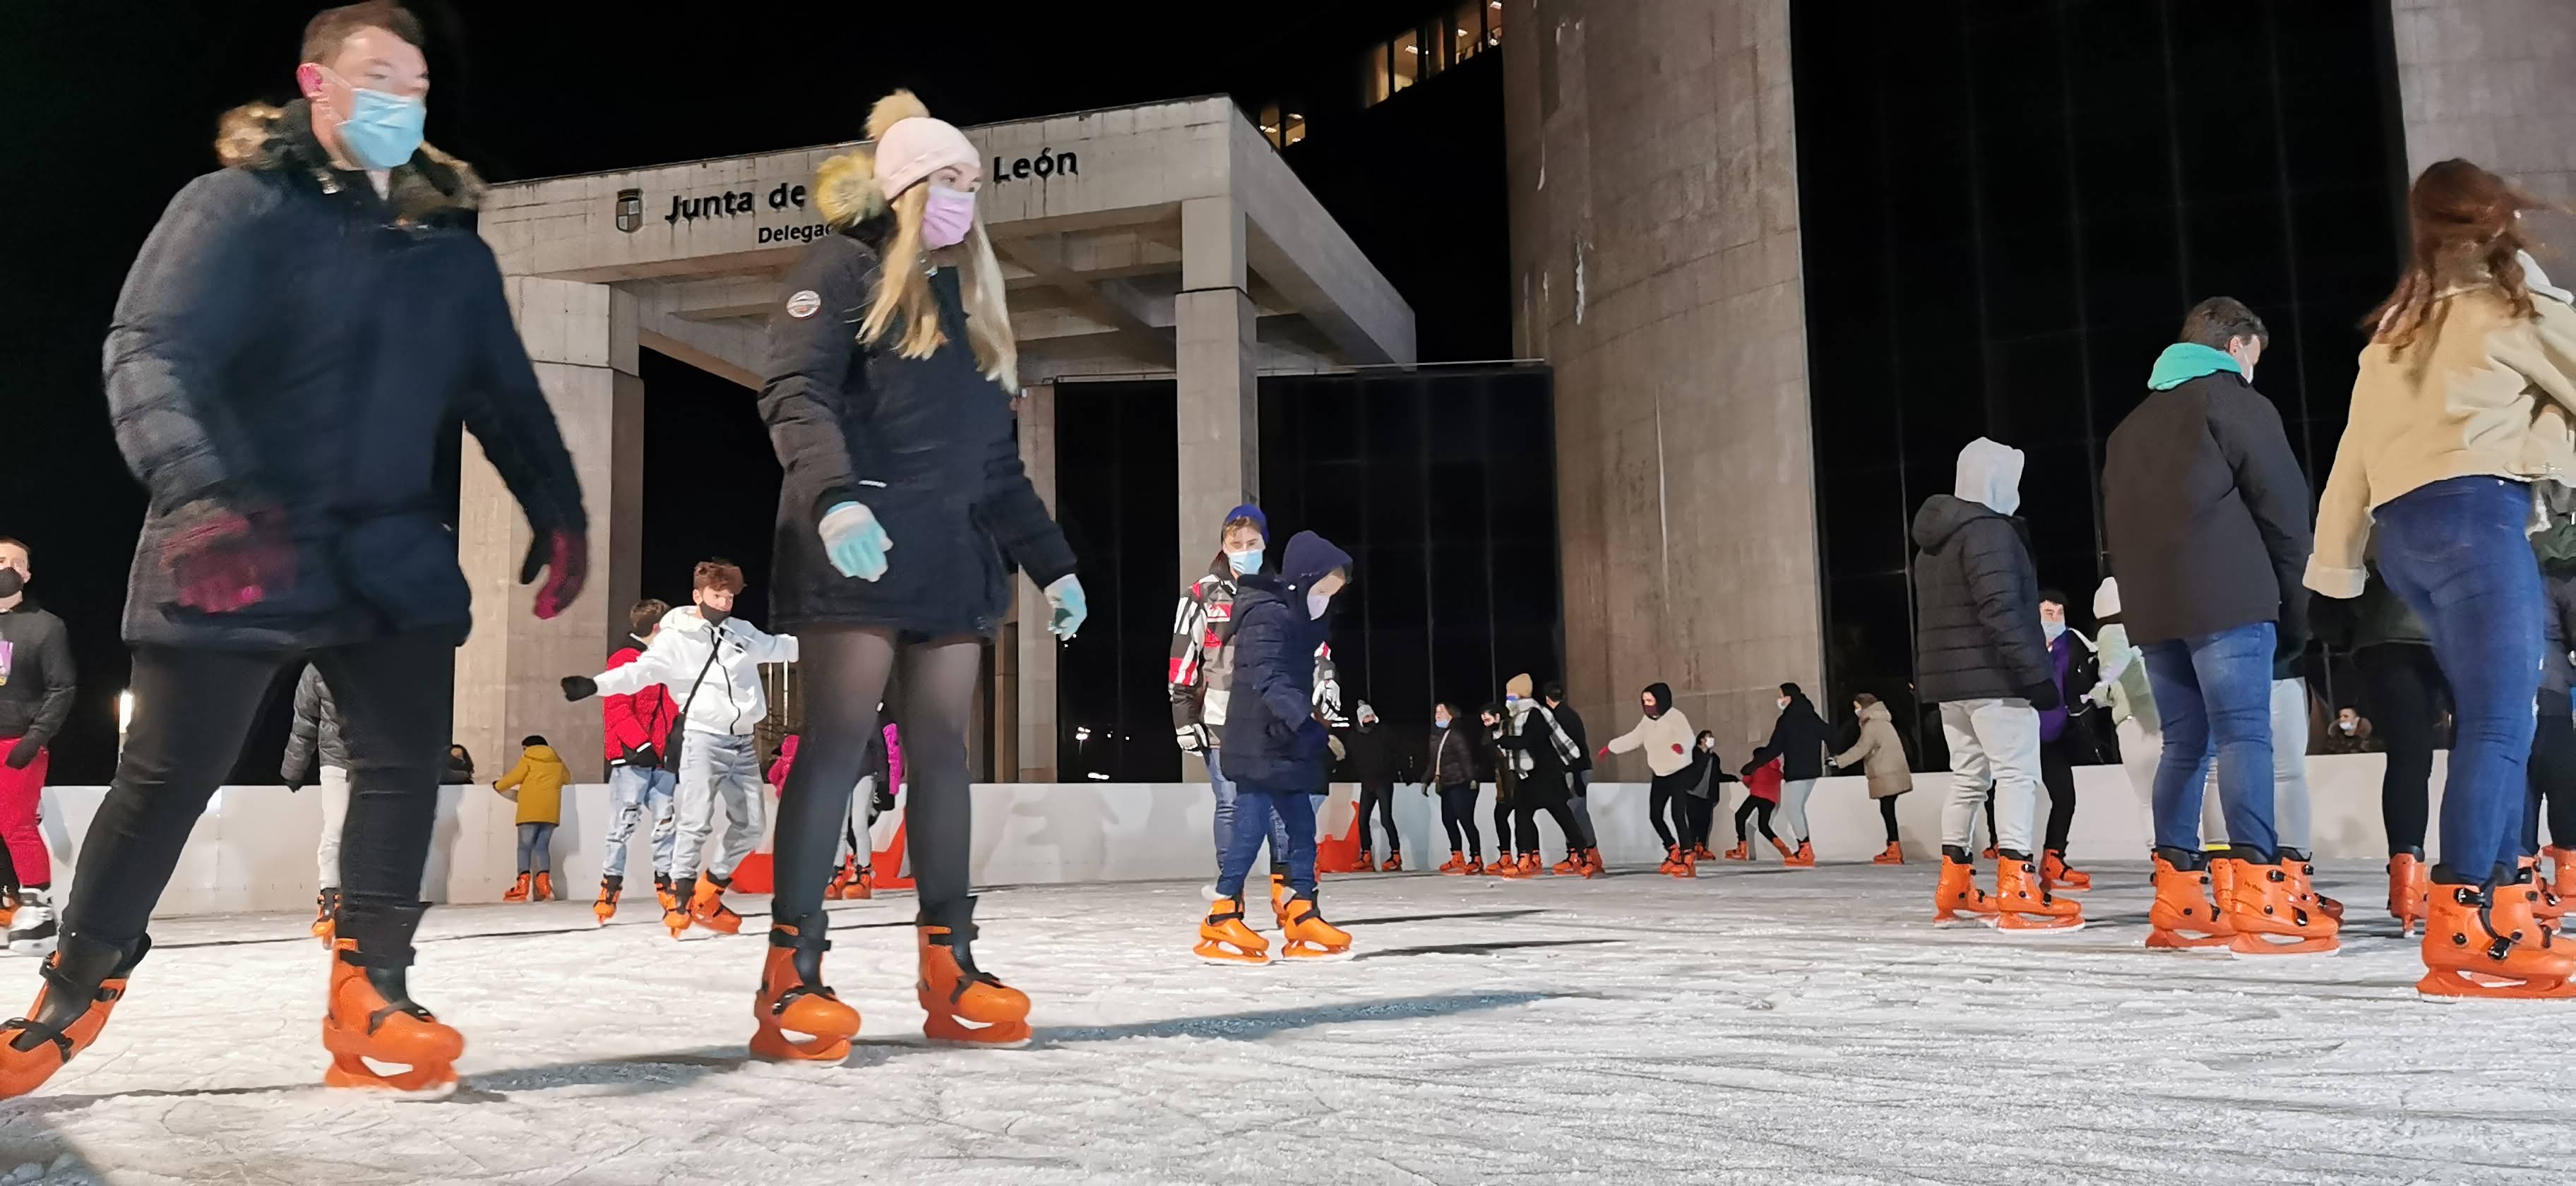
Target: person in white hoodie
<point>710,661</point>
<point>1666,736</point>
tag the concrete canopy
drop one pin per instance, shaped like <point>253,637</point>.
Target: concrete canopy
<point>1166,238</point>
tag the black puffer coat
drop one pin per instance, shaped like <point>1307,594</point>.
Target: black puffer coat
<point>1976,594</point>
<point>926,444</point>
<point>1272,739</point>
<point>288,340</point>
<point>2206,514</point>
<point>1798,740</point>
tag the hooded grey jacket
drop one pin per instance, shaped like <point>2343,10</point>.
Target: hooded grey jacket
<point>1976,592</point>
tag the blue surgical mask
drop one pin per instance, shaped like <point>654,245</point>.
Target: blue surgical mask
<point>1316,604</point>
<point>1245,563</point>
<point>382,130</point>
<point>1442,722</point>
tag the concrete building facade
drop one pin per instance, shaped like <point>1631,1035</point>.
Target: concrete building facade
<point>1655,250</point>
<point>1164,239</point>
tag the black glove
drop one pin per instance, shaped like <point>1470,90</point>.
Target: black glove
<point>23,754</point>
<point>294,784</point>
<point>640,757</point>
<point>882,799</point>
<point>579,687</point>
<point>2042,695</point>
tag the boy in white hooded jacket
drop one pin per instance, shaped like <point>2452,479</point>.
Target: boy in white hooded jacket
<point>710,661</point>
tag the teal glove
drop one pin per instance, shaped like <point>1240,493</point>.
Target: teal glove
<point>1070,608</point>
<point>855,542</point>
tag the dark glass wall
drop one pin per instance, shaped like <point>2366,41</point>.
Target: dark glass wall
<point>1115,499</point>
<point>2008,206</point>
<point>1441,484</point>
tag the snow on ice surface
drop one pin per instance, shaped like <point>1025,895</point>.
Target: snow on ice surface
<point>1761,1025</point>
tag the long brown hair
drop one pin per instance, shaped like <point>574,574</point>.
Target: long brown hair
<point>2461,220</point>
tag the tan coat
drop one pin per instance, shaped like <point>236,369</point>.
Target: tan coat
<point>1881,754</point>
<point>2481,391</point>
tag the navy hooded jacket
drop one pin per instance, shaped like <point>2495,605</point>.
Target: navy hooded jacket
<point>1272,739</point>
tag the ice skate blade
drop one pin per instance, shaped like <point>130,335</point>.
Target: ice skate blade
<point>1213,953</point>
<point>948,1031</point>
<point>2042,925</point>
<point>2164,940</point>
<point>1962,920</point>
<point>2461,984</point>
<point>1295,955</point>
<point>436,1081</point>
<point>775,1046</point>
<point>2257,944</point>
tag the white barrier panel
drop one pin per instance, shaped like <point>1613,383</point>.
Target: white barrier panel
<point>254,848</point>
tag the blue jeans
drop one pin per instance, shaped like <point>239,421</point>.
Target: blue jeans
<point>1293,811</point>
<point>2456,554</point>
<point>1226,796</point>
<point>632,791</point>
<point>2214,692</point>
<point>536,848</point>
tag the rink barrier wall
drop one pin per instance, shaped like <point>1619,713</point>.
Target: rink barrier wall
<point>253,851</point>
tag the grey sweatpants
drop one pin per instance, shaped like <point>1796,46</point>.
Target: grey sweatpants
<point>716,767</point>
<point>1993,743</point>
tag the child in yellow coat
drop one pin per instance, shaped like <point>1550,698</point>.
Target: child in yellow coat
<point>536,784</point>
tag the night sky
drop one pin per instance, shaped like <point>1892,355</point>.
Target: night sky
<point>114,107</point>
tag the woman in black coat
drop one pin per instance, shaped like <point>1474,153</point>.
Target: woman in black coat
<point>889,397</point>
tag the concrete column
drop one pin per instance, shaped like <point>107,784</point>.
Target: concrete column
<point>2492,81</point>
<point>582,339</point>
<point>1652,157</point>
<point>1025,667</point>
<point>1219,413</point>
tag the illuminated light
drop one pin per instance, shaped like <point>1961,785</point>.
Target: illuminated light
<point>1413,49</point>
<point>124,712</point>
<point>1097,776</point>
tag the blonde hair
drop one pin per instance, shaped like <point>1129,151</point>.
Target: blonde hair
<point>903,314</point>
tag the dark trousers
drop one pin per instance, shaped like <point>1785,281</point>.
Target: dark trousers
<point>1503,822</point>
<point>1458,815</point>
<point>2405,687</point>
<point>1664,794</point>
<point>1759,811</point>
<point>1701,813</point>
<point>2057,773</point>
<point>1526,815</point>
<point>1887,814</point>
<point>2553,776</point>
<point>1381,797</point>
<point>192,710</point>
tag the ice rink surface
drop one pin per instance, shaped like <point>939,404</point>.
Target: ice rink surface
<point>1757,1025</point>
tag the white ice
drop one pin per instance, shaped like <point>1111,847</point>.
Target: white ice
<point>1758,1025</point>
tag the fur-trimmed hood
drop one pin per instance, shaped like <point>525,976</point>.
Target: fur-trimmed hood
<point>433,186</point>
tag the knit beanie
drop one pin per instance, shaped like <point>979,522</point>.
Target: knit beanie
<point>1519,685</point>
<point>1260,522</point>
<point>914,145</point>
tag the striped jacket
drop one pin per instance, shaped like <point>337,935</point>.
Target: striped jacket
<point>1200,676</point>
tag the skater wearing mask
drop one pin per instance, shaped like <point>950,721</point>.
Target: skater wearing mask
<point>635,731</point>
<point>315,753</point>
<point>1279,745</point>
<point>1798,741</point>
<point>1451,774</point>
<point>905,508</point>
<point>2206,515</point>
<point>36,692</point>
<point>1201,676</point>
<point>1373,763</point>
<point>1881,757</point>
<point>1580,800</point>
<point>296,336</point>
<point>1980,656</point>
<point>2058,733</point>
<point>1544,756</point>
<point>708,661</point>
<point>1665,734</point>
<point>1707,784</point>
<point>2462,404</point>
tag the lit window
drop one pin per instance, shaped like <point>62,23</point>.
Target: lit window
<point>1376,68</point>
<point>1270,124</point>
<point>1467,30</point>
<point>1407,59</point>
<point>1293,130</point>
<point>1494,22</point>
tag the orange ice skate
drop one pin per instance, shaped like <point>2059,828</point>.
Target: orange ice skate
<point>2184,915</point>
<point>2486,944</point>
<point>2266,918</point>
<point>2059,875</point>
<point>80,985</point>
<point>1803,858</point>
<point>1957,901</point>
<point>707,907</point>
<point>1308,938</point>
<point>1895,855</point>
<point>1225,939</point>
<point>966,1005</point>
<point>2022,900</point>
<point>370,1017</point>
<point>518,891</point>
<point>794,1000</point>
<point>1741,852</point>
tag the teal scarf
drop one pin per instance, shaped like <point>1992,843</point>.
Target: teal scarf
<point>2183,362</point>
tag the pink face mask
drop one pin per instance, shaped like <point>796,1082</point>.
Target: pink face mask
<point>947,216</point>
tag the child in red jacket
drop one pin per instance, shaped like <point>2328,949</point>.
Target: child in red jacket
<point>1761,795</point>
<point>636,733</point>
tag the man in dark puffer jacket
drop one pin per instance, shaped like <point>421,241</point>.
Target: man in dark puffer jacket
<point>1979,654</point>
<point>298,334</point>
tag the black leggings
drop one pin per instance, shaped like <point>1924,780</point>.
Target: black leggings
<point>1887,814</point>
<point>1503,822</point>
<point>192,709</point>
<point>1758,810</point>
<point>1458,814</point>
<point>1383,797</point>
<point>2057,773</point>
<point>2553,776</point>
<point>2406,687</point>
<point>1527,814</point>
<point>1665,793</point>
<point>845,675</point>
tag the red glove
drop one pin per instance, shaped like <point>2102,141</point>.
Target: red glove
<point>564,556</point>
<point>1677,748</point>
<point>1603,752</point>
<point>223,560</point>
